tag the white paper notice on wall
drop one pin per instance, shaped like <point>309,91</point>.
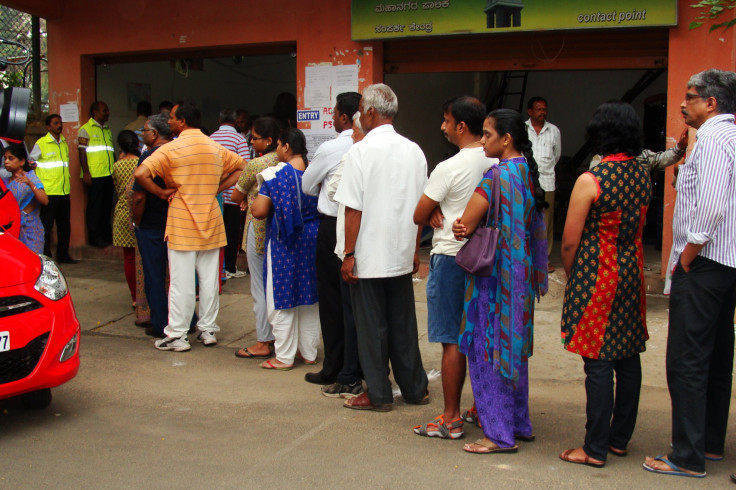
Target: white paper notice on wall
<point>324,82</point>
<point>315,137</point>
<point>69,112</point>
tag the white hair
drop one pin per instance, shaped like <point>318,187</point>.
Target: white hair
<point>382,99</point>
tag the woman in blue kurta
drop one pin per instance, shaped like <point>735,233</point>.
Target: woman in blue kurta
<point>27,189</point>
<point>291,246</point>
<point>496,332</point>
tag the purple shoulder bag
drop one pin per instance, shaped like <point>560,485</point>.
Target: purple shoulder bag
<point>478,254</point>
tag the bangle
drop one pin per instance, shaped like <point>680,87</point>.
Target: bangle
<point>350,254</point>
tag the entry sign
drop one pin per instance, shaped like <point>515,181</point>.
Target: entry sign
<point>306,116</point>
<point>377,19</point>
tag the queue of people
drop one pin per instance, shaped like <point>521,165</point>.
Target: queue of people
<point>332,244</point>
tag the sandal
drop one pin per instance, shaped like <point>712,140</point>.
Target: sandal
<point>438,428</point>
<point>268,365</point>
<point>618,452</point>
<point>471,416</point>
<point>587,460</point>
<point>245,353</point>
<point>670,468</point>
<point>307,362</point>
<point>486,446</point>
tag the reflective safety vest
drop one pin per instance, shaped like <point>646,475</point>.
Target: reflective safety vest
<point>100,150</point>
<point>52,167</point>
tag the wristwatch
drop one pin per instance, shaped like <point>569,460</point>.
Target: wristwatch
<point>350,254</point>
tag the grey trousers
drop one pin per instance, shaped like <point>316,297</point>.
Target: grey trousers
<point>386,324</point>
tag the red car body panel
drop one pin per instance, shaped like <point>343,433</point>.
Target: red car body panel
<point>18,275</point>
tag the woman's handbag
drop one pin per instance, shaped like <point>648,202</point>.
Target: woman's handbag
<point>478,254</point>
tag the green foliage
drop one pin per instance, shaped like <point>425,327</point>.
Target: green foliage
<point>11,79</point>
<point>711,10</point>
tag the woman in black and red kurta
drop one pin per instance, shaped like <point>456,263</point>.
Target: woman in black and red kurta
<point>604,313</point>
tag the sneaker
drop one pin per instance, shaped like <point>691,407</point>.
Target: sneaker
<point>237,273</point>
<point>339,390</point>
<point>207,338</point>
<point>172,343</point>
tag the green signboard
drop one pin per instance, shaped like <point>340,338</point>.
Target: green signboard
<point>385,19</point>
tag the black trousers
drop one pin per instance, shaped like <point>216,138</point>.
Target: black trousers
<point>330,298</point>
<point>610,421</point>
<point>234,220</point>
<point>57,211</point>
<point>350,372</point>
<point>100,196</point>
<point>700,359</point>
<point>386,322</point>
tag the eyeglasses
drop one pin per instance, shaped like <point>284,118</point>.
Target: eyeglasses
<point>689,96</point>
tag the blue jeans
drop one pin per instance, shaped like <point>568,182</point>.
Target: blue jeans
<point>154,255</point>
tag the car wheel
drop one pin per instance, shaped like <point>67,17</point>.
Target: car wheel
<point>37,399</point>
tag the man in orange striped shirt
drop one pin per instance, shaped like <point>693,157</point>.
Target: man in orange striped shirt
<point>195,169</point>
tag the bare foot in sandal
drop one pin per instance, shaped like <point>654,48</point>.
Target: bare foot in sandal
<point>487,446</point>
<point>259,350</point>
<point>579,456</point>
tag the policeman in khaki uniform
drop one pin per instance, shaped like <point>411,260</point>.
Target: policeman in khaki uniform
<point>51,155</point>
<point>96,156</point>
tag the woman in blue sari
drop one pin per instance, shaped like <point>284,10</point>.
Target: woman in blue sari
<point>27,189</point>
<point>291,246</point>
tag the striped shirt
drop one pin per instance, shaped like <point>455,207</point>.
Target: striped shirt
<point>194,164</point>
<point>230,138</point>
<point>705,210</point>
<point>547,148</point>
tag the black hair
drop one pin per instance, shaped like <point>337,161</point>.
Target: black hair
<point>347,103</point>
<point>268,127</point>
<point>509,121</point>
<point>165,105</point>
<point>615,128</point>
<point>296,141</point>
<point>128,142</point>
<point>50,117</point>
<point>94,106</point>
<point>534,100</point>
<point>467,109</point>
<point>284,109</point>
<point>18,150</point>
<point>190,113</point>
<point>144,108</point>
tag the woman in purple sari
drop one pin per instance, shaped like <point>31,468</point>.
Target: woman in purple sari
<point>27,189</point>
<point>496,332</point>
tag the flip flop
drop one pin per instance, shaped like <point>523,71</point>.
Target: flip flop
<point>674,469</point>
<point>588,461</point>
<point>714,458</point>
<point>268,365</point>
<point>530,438</point>
<point>245,353</point>
<point>488,447</point>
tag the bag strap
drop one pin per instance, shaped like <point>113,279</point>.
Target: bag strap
<point>495,197</point>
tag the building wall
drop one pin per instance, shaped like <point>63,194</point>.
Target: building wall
<point>319,28</point>
<point>691,51</point>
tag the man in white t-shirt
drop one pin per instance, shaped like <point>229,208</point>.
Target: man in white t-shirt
<point>449,189</point>
<point>380,187</point>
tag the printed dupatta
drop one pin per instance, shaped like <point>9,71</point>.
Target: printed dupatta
<point>286,197</point>
<point>520,275</point>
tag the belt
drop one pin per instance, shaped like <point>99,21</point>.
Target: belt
<point>326,216</point>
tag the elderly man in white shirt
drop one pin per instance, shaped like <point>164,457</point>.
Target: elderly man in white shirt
<point>382,182</point>
<point>340,368</point>
<point>547,148</point>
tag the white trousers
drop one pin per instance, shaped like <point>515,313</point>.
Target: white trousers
<point>184,266</point>
<point>294,328</point>
<point>255,266</point>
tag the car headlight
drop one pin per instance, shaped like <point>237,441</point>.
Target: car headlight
<point>70,348</point>
<point>51,282</point>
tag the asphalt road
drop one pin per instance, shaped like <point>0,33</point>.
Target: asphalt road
<point>135,417</point>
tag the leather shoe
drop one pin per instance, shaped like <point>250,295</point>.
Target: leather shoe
<point>422,401</point>
<point>363,402</point>
<point>152,333</point>
<point>318,378</point>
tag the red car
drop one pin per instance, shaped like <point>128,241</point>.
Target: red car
<point>39,330</point>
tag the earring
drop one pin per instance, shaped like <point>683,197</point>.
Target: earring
<point>505,144</point>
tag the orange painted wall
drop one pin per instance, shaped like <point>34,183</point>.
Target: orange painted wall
<point>320,29</point>
<point>690,52</point>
